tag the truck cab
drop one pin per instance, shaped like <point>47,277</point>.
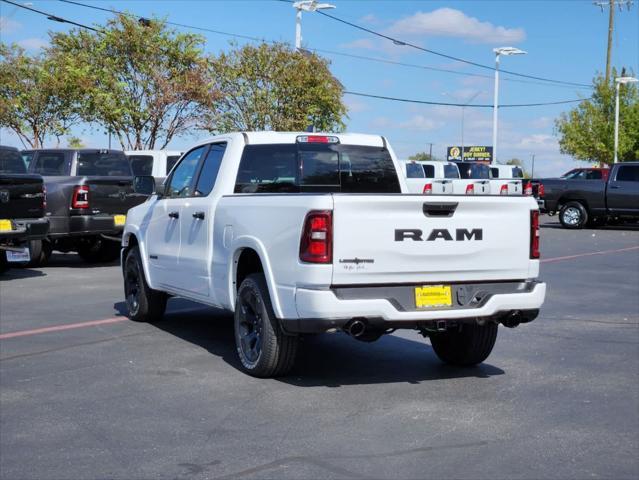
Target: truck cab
<point>429,176</point>
<point>506,179</point>
<point>157,163</point>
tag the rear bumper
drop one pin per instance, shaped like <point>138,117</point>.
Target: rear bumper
<point>321,310</point>
<point>83,225</point>
<point>26,229</point>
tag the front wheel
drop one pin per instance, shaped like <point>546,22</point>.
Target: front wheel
<point>264,350</point>
<point>573,215</point>
<point>143,303</point>
<point>469,345</point>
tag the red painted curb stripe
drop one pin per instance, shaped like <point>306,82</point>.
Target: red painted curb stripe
<point>57,328</point>
<point>579,255</point>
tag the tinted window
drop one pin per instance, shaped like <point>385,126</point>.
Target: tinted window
<point>628,173</point>
<point>494,172</point>
<point>27,157</point>
<point>451,171</point>
<point>50,163</point>
<point>11,162</point>
<point>211,166</point>
<point>316,168</point>
<point>181,183</point>
<point>414,170</point>
<point>474,170</point>
<point>518,172</point>
<point>141,164</point>
<point>429,171</point>
<point>593,175</point>
<point>170,161</point>
<point>575,175</point>
<point>109,164</point>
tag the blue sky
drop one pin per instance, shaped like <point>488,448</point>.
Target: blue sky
<point>565,40</point>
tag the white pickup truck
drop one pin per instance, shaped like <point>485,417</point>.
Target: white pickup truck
<point>306,233</point>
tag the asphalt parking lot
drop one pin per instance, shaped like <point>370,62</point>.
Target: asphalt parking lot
<point>109,398</point>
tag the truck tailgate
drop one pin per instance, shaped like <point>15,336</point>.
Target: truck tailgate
<point>21,196</point>
<point>401,239</point>
<point>112,195</point>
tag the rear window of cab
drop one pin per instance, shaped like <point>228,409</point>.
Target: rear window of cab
<point>295,168</point>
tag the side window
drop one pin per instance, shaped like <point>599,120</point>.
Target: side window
<point>211,166</point>
<point>494,172</point>
<point>51,163</point>
<point>267,168</point>
<point>429,171</point>
<point>451,171</point>
<point>141,164</point>
<point>170,161</point>
<point>414,170</point>
<point>181,182</point>
<point>628,173</point>
<point>518,172</point>
<point>593,175</point>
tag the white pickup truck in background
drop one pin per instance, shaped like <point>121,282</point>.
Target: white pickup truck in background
<point>506,179</point>
<point>306,233</point>
<point>157,163</point>
<point>441,178</point>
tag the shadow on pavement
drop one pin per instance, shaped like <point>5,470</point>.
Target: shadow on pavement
<point>73,260</point>
<point>18,272</point>
<point>330,360</point>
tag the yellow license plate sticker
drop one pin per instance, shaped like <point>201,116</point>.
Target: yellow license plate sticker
<point>119,220</point>
<point>5,226</point>
<point>433,296</point>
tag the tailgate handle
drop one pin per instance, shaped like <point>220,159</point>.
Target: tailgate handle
<point>440,209</point>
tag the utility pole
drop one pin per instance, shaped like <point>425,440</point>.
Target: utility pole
<point>532,173</point>
<point>430,154</point>
<point>611,26</point>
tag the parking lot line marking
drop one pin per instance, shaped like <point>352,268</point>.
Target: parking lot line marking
<point>57,328</point>
<point>589,254</point>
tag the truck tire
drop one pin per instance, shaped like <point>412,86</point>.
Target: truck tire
<point>264,350</point>
<point>142,302</point>
<point>468,346</point>
<point>40,251</point>
<point>4,265</point>
<point>573,215</point>
<point>99,251</point>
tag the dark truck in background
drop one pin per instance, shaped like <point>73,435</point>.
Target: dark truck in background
<point>89,192</point>
<point>593,196</point>
<point>22,204</point>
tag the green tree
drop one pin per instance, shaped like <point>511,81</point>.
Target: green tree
<point>35,101</point>
<point>142,81</point>
<point>271,87</point>
<point>422,157</point>
<point>587,131</point>
<point>74,142</point>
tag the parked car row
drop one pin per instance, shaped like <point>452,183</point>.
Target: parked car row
<point>462,178</point>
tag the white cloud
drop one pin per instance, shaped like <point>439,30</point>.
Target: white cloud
<point>361,43</point>
<point>370,19</point>
<point>7,25</point>
<point>33,43</point>
<point>355,106</point>
<point>449,22</point>
<point>381,123</point>
<point>420,122</point>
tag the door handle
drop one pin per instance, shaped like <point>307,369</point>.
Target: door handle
<point>174,214</point>
<point>614,187</point>
<point>198,215</point>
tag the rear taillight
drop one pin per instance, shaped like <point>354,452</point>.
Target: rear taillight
<point>541,190</point>
<point>528,189</point>
<point>534,234</point>
<point>504,189</point>
<point>80,197</point>
<point>470,189</point>
<point>428,189</point>
<point>316,245</point>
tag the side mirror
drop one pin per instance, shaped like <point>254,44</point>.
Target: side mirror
<point>144,185</point>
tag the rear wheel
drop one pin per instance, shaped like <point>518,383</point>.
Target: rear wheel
<point>469,345</point>
<point>99,250</point>
<point>573,215</point>
<point>40,252</point>
<point>264,350</point>
<point>143,303</point>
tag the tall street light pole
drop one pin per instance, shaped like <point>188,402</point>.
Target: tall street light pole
<point>506,51</point>
<point>307,6</point>
<point>618,82</point>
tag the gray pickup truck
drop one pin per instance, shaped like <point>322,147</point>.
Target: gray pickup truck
<point>594,201</point>
<point>89,192</point>
<point>22,202</point>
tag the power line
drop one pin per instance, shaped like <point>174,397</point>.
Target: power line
<point>131,15</point>
<point>426,102</point>
<point>50,16</point>
<point>444,55</point>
